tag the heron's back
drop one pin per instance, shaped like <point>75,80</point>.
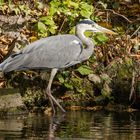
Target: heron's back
<point>53,52</point>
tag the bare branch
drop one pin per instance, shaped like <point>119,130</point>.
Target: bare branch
<point>132,85</point>
<point>119,15</point>
<point>135,32</point>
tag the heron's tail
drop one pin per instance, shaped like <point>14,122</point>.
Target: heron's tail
<point>2,65</point>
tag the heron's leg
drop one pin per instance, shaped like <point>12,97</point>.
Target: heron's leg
<point>48,91</point>
<point>51,101</point>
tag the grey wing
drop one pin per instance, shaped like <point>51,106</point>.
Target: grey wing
<point>54,52</point>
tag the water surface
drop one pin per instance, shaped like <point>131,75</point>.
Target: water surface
<point>74,125</point>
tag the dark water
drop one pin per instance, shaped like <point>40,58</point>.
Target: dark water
<point>74,125</point>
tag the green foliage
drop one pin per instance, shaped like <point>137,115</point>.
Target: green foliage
<point>106,90</point>
<point>100,38</point>
<point>61,78</point>
<point>69,85</point>
<point>33,97</point>
<point>50,24</point>
<point>85,70</point>
<point>103,4</point>
<point>62,17</point>
<point>70,8</point>
<point>45,26</point>
<point>86,10</point>
<point>41,27</point>
<point>125,69</point>
<point>64,79</point>
<point>68,12</point>
<point>1,2</point>
<point>122,69</point>
<point>77,84</point>
<point>73,82</point>
<point>116,5</point>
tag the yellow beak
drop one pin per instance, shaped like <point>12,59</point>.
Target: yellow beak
<point>104,30</point>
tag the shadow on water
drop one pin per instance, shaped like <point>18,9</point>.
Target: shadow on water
<point>74,125</point>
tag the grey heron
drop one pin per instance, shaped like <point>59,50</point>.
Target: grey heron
<point>55,52</point>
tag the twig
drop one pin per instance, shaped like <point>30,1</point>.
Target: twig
<point>132,85</point>
<point>11,48</point>
<point>62,25</point>
<point>135,32</point>
<point>135,55</point>
<point>119,15</point>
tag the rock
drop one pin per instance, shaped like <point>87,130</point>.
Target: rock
<point>94,78</point>
<point>11,102</point>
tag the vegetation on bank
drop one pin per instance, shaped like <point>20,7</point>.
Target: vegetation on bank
<point>111,75</point>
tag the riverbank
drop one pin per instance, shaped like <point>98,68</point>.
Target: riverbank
<point>110,77</point>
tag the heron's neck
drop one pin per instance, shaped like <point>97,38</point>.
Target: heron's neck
<point>88,50</point>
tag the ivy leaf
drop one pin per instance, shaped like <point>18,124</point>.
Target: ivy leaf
<point>60,78</point>
<point>74,4</point>
<point>68,85</point>
<point>65,73</point>
<point>54,7</point>
<point>86,6</point>
<point>41,27</point>
<point>84,70</point>
<point>85,13</point>
<point>86,10</point>
<point>49,23</point>
<point>100,38</point>
<point>47,20</point>
<point>53,29</point>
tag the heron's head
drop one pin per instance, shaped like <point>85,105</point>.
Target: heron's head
<point>89,25</point>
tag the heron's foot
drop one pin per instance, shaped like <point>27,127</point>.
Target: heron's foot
<point>52,101</point>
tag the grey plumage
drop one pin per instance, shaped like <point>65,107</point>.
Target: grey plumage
<point>54,53</point>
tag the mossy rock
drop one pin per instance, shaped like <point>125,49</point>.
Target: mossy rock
<point>11,102</point>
